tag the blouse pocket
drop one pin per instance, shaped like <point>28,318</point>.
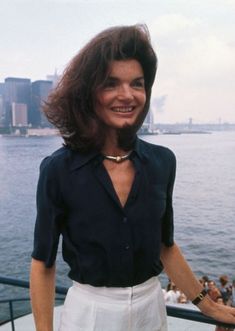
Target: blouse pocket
<point>157,200</point>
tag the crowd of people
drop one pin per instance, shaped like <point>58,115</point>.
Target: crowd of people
<point>222,292</point>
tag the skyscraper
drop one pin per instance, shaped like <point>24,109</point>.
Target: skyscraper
<point>148,125</point>
<point>2,87</point>
<point>18,91</point>
<point>40,91</point>
<point>54,78</point>
<point>19,115</point>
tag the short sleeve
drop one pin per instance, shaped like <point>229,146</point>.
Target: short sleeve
<point>50,214</point>
<point>168,220</point>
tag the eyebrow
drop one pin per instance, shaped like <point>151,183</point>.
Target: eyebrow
<point>116,78</point>
<point>139,78</point>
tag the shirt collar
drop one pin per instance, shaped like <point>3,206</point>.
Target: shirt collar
<point>79,159</point>
<point>140,150</point>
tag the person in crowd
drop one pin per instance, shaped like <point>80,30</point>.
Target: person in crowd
<point>169,285</point>
<point>204,281</point>
<point>213,290</point>
<point>168,288</point>
<point>182,298</point>
<point>224,288</point>
<point>173,295</point>
<point>109,194</point>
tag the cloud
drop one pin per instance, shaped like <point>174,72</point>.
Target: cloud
<point>209,55</point>
<point>171,24</point>
<point>196,68</point>
<point>158,103</point>
<point>228,2</point>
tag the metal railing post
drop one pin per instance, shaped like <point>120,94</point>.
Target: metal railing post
<point>12,315</point>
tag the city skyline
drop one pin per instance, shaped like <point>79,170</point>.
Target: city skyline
<point>42,87</point>
<point>194,41</point>
<point>21,103</point>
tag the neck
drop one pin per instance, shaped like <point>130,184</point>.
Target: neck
<point>111,147</point>
<point>116,142</point>
<point>114,153</point>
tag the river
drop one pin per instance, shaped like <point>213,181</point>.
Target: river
<point>204,202</point>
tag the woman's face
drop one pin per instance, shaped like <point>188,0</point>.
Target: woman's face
<point>121,100</point>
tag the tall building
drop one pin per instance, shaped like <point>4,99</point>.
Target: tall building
<point>149,120</point>
<point>19,114</point>
<point>18,91</point>
<point>53,78</point>
<point>40,91</point>
<point>2,87</point>
<point>148,125</point>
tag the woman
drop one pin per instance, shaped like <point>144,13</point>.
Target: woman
<point>110,196</point>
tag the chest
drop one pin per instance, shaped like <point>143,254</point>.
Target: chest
<point>122,178</point>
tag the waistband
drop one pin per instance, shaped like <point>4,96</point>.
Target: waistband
<point>119,293</point>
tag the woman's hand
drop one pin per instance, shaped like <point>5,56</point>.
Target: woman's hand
<point>181,274</point>
<point>217,311</point>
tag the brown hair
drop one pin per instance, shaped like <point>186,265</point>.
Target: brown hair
<point>223,280</point>
<point>70,106</point>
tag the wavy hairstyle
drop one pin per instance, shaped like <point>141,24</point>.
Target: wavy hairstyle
<point>70,106</point>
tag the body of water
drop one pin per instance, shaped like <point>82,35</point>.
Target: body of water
<point>204,202</point>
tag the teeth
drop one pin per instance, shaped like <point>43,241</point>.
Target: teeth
<point>123,109</point>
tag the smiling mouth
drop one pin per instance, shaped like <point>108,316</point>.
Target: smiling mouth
<point>122,109</point>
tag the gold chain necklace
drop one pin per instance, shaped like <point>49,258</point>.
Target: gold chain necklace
<point>117,158</point>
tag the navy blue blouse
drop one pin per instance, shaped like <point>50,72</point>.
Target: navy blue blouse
<point>104,243</point>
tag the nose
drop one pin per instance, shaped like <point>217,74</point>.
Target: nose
<point>125,93</point>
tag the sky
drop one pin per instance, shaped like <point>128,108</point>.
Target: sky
<point>194,41</point>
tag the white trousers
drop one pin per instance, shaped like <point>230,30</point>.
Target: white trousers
<point>137,308</point>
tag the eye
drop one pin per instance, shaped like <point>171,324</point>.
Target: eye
<point>109,84</point>
<point>138,83</point>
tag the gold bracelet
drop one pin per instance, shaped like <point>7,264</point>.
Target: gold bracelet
<point>200,297</point>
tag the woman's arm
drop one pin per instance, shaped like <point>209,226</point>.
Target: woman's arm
<point>42,289</point>
<point>180,273</point>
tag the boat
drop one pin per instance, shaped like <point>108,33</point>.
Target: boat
<point>26,323</point>
<point>181,317</point>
